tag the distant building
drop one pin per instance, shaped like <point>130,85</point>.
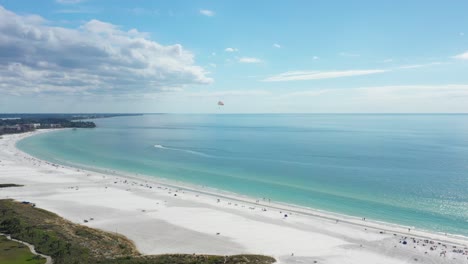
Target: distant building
<point>18,128</point>
<point>12,129</point>
<point>51,126</point>
<point>27,127</point>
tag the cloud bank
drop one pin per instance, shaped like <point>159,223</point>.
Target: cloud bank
<point>207,12</point>
<point>97,57</point>
<point>231,50</point>
<point>463,56</point>
<point>316,75</point>
<point>249,60</point>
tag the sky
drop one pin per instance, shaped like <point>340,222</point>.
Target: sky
<point>178,56</point>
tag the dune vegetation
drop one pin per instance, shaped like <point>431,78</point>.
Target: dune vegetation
<point>69,243</point>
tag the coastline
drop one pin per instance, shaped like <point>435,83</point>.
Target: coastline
<point>200,223</point>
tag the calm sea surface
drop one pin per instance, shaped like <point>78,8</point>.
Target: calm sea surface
<point>404,169</point>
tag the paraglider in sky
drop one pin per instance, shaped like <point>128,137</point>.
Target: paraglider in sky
<point>220,103</point>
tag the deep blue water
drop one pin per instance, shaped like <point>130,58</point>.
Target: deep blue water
<point>404,169</point>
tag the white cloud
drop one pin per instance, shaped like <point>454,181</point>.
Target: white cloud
<point>316,75</point>
<point>231,50</point>
<point>414,66</point>
<point>461,34</point>
<point>462,56</point>
<point>77,10</point>
<point>277,45</point>
<point>97,57</point>
<point>206,12</point>
<point>249,60</point>
<point>213,65</point>
<point>387,60</point>
<point>315,58</point>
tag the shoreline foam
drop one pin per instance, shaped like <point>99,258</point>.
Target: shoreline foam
<point>186,201</point>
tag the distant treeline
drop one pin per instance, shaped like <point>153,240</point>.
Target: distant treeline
<point>75,116</point>
<point>47,122</point>
<point>20,123</point>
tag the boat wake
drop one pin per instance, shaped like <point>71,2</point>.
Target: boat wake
<point>182,150</point>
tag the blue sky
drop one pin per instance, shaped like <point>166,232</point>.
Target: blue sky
<point>256,56</point>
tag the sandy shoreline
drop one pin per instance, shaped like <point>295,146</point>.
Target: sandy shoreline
<point>163,217</point>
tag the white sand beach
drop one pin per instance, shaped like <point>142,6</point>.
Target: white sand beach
<point>167,217</point>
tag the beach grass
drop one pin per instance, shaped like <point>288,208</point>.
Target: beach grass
<point>54,236</point>
<point>16,253</point>
<point>69,243</point>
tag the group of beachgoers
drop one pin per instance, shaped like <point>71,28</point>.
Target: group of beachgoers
<point>431,245</point>
<point>434,246</point>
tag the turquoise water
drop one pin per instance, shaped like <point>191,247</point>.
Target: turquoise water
<point>404,169</point>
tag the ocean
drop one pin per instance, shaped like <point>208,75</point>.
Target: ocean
<point>398,168</point>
